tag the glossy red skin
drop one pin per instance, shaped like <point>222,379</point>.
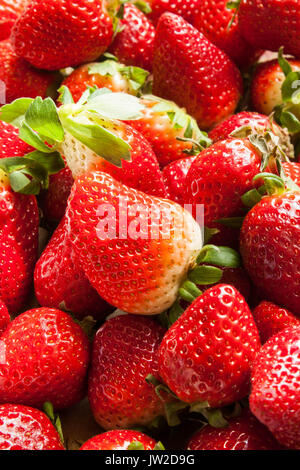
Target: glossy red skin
<point>271,319</point>
<point>242,433</point>
<point>10,144</point>
<point>184,8</point>
<point>46,359</point>
<point>62,33</point>
<point>9,12</point>
<point>174,176</point>
<point>25,428</point>
<point>134,44</point>
<point>124,353</point>
<point>246,118</point>
<point>19,222</point>
<point>219,176</point>
<point>207,353</point>
<point>292,170</point>
<point>269,245</point>
<point>275,395</point>
<point>270,24</point>
<point>191,71</point>
<point>60,283</point>
<point>20,78</point>
<point>212,20</point>
<point>118,440</point>
<point>4,317</point>
<point>53,202</point>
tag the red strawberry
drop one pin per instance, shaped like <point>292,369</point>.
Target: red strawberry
<point>270,319</point>
<point>212,19</point>
<point>136,264</point>
<point>19,78</point>
<point>62,33</point>
<point>4,317</point>
<point>270,24</point>
<point>19,221</point>
<point>174,176</point>
<point>220,175</point>
<point>46,359</point>
<point>109,74</point>
<point>194,73</point>
<point>168,129</point>
<point>266,85</point>
<point>60,283</point>
<point>207,353</point>
<point>184,8</point>
<point>275,398</point>
<point>134,44</point>
<point>269,244</point>
<point>25,428</point>
<point>292,170</point>
<point>242,433</point>
<point>10,143</point>
<point>124,353</point>
<point>120,440</point>
<point>9,12</point>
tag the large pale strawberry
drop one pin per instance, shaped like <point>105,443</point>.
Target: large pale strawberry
<point>62,33</point>
<point>135,249</point>
<point>46,358</point>
<point>274,398</point>
<point>193,72</point>
<point>120,440</point>
<point>125,351</point>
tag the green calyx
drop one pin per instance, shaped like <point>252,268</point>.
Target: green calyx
<point>233,5</point>
<point>54,418</point>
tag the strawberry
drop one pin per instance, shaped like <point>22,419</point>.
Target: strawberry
<point>266,85</point>
<point>62,33</point>
<point>171,132</point>
<point>207,353</point>
<point>242,433</point>
<point>25,428</point>
<point>212,19</point>
<point>269,244</point>
<point>9,12</point>
<point>10,143</point>
<point>120,440</point>
<point>134,42</point>
<point>137,267</point>
<point>20,79</point>
<point>270,24</point>
<point>220,175</point>
<point>270,319</point>
<point>46,359</point>
<point>292,170</point>
<point>274,398</point>
<point>236,277</point>
<point>4,317</point>
<point>19,221</point>
<point>124,353</point>
<point>194,73</point>
<point>174,176</point>
<point>184,8</point>
<point>109,74</point>
<point>60,283</point>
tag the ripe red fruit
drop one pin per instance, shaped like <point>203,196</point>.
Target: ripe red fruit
<point>124,353</point>
<point>60,282</point>
<point>120,440</point>
<point>174,176</point>
<point>206,355</point>
<point>19,221</point>
<point>184,8</point>
<point>10,144</point>
<point>269,245</point>
<point>194,73</point>
<point>242,433</point>
<point>25,428</point>
<point>134,44</point>
<point>62,33</point>
<point>20,79</point>
<point>46,359</point>
<point>9,12</point>
<point>270,24</point>
<point>4,317</point>
<point>275,395</point>
<point>292,170</point>
<point>270,319</point>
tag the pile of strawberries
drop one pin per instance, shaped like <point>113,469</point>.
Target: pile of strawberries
<point>150,223</point>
